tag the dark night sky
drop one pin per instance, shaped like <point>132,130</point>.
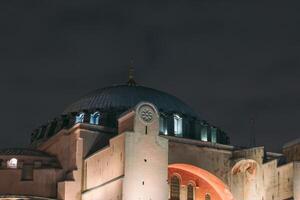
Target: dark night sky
<point>229,60</point>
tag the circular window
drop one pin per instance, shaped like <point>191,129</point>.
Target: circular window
<point>146,113</point>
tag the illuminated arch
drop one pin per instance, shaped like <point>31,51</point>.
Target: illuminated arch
<point>204,179</point>
<point>192,182</point>
<point>245,166</point>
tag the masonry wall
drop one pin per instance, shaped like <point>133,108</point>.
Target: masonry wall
<point>292,152</point>
<point>215,161</point>
<point>296,180</point>
<point>246,180</point>
<point>104,172</point>
<point>270,179</point>
<point>67,147</point>
<point>285,175</point>
<point>70,147</point>
<point>146,162</point>
<point>278,181</point>
<point>109,191</point>
<point>43,183</point>
<point>267,181</point>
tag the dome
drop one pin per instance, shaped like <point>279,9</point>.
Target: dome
<point>103,107</point>
<point>124,97</point>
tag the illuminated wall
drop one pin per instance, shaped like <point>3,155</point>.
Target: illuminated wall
<point>138,164</point>
<point>104,172</point>
<point>146,158</point>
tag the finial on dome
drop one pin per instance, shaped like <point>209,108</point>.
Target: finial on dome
<point>131,81</point>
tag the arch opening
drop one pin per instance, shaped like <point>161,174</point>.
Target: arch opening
<point>204,183</point>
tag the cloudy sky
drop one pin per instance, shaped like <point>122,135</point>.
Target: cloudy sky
<point>229,60</point>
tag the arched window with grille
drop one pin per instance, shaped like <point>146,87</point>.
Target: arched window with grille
<point>175,188</point>
<point>207,197</point>
<point>163,128</point>
<point>177,125</point>
<point>79,118</point>
<point>190,192</point>
<point>94,118</point>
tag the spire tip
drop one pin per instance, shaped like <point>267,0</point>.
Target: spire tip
<point>131,81</point>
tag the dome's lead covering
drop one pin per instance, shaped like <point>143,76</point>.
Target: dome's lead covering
<point>123,97</point>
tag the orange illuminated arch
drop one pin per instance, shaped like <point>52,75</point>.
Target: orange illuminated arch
<point>204,180</point>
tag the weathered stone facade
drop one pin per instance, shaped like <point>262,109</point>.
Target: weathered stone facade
<point>137,162</point>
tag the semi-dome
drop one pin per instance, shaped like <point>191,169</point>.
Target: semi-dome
<point>124,97</point>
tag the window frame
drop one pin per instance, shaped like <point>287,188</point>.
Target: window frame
<point>214,135</point>
<point>190,196</point>
<point>178,125</point>
<point>95,118</point>
<point>79,118</point>
<point>163,124</point>
<point>175,195</point>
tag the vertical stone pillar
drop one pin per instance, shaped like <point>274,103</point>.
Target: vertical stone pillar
<point>183,192</point>
<point>146,157</point>
<point>296,181</point>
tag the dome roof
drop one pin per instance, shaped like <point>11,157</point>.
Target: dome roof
<point>124,97</point>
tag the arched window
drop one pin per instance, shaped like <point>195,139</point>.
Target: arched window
<point>177,125</point>
<point>207,197</point>
<point>12,163</point>
<point>94,118</point>
<point>79,118</point>
<point>190,192</point>
<point>163,129</point>
<point>213,135</point>
<point>175,188</point>
<point>204,133</point>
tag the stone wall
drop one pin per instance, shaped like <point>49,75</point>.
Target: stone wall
<point>104,172</point>
<point>43,183</point>
<point>70,147</point>
<point>146,158</point>
<point>291,150</point>
<point>215,160</point>
<point>278,181</point>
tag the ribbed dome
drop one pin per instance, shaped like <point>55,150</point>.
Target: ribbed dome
<point>124,97</point>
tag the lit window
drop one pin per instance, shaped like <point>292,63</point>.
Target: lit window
<point>163,125</point>
<point>177,125</point>
<point>175,188</point>
<point>12,163</point>
<point>79,118</point>
<point>204,133</point>
<point>207,197</point>
<point>190,192</point>
<point>213,135</point>
<point>94,118</point>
